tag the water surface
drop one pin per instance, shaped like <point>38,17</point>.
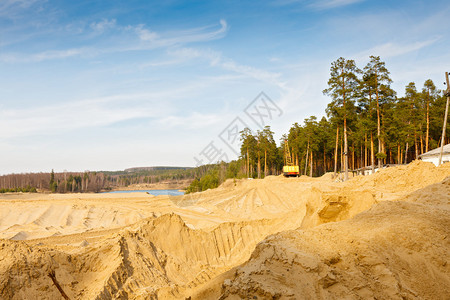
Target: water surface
<point>153,192</point>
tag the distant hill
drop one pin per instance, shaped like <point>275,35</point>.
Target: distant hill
<point>157,168</point>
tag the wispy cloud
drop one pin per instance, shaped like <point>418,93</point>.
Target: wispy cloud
<point>328,4</point>
<point>216,59</point>
<point>145,34</point>
<point>103,25</point>
<point>193,35</point>
<point>43,56</point>
<point>13,9</point>
<point>144,39</point>
<point>194,120</point>
<point>394,49</point>
<point>9,4</point>
<point>252,72</point>
<point>319,4</point>
<point>56,54</point>
<point>79,114</point>
<point>87,114</point>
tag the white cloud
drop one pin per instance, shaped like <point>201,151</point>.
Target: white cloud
<point>145,34</point>
<point>17,9</point>
<point>185,54</point>
<point>181,55</point>
<point>56,54</point>
<point>42,56</point>
<point>203,35</point>
<point>216,59</point>
<point>319,4</point>
<point>259,74</point>
<point>87,113</point>
<point>394,49</point>
<point>103,111</point>
<point>103,25</point>
<point>193,121</point>
<point>146,40</point>
<point>275,59</point>
<point>328,4</point>
<point>6,4</point>
<point>180,37</point>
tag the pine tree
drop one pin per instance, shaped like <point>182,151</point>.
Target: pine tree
<point>269,147</point>
<point>248,150</point>
<point>378,82</point>
<point>429,94</point>
<point>53,185</point>
<point>342,89</point>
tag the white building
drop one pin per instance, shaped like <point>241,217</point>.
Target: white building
<point>433,155</point>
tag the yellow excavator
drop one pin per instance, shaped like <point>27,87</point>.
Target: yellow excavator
<point>289,169</point>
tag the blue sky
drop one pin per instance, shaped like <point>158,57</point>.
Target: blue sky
<point>107,85</point>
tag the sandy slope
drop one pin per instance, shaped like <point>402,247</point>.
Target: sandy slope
<point>379,236</point>
<point>30,216</point>
<point>392,251</point>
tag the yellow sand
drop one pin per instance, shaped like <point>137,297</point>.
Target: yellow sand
<point>381,236</point>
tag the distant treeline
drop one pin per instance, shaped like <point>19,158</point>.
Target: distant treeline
<point>366,126</point>
<point>27,189</point>
<point>215,174</point>
<point>73,182</point>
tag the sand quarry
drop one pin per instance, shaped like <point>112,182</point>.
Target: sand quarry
<point>383,236</point>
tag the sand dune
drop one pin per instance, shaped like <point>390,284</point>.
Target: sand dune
<point>380,236</point>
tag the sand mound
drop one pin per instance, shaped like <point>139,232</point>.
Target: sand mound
<point>413,176</point>
<point>396,250</point>
<point>382,236</point>
<point>258,198</point>
<point>328,176</point>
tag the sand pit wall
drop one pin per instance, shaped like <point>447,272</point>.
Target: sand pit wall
<point>336,206</point>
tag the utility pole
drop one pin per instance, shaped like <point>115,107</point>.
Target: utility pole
<point>444,127</point>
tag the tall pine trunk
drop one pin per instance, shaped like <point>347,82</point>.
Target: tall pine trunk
<point>428,123</point>
<point>378,126</point>
<point>248,165</point>
<point>421,144</point>
<point>342,155</point>
<point>353,156</point>
<point>372,155</point>
<point>265,163</point>
<point>365,151</point>
<point>345,151</point>
<point>360,165</point>
<point>259,166</point>
<point>406,153</point>
<point>306,162</point>
<point>416,146</point>
<point>336,151</point>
